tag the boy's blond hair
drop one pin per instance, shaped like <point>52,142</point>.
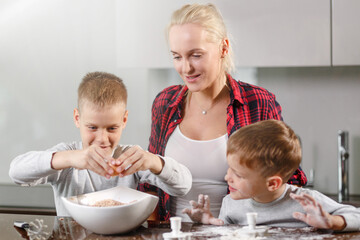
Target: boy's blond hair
<point>208,17</point>
<point>101,89</point>
<point>270,146</point>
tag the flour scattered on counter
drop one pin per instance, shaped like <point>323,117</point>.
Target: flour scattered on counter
<point>238,233</point>
<point>224,233</point>
<point>216,230</point>
<point>306,233</point>
<point>241,235</point>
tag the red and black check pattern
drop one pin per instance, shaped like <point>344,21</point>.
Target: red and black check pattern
<point>249,104</point>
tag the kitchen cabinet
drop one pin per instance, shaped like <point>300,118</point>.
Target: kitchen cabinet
<point>345,32</point>
<point>265,33</point>
<point>279,32</point>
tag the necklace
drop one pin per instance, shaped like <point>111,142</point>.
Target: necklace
<point>204,111</point>
<point>217,98</point>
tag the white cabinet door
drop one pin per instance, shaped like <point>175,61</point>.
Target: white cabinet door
<point>279,32</point>
<point>346,32</point>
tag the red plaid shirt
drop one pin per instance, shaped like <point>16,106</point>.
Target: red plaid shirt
<point>248,104</point>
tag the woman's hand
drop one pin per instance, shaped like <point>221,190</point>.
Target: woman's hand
<point>200,211</point>
<point>315,215</point>
<point>136,159</point>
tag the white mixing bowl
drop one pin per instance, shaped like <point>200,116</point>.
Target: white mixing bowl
<point>115,219</point>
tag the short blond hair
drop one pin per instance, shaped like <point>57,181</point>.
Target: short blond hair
<point>208,17</point>
<point>101,89</point>
<point>270,146</point>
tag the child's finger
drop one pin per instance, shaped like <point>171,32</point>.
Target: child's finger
<point>206,202</point>
<point>128,155</point>
<point>186,211</point>
<point>201,200</point>
<point>309,198</point>
<point>299,199</point>
<point>95,167</point>
<point>128,161</point>
<point>130,169</point>
<point>100,158</point>
<point>322,212</point>
<point>294,196</point>
<point>299,216</point>
<point>216,221</point>
<point>193,204</point>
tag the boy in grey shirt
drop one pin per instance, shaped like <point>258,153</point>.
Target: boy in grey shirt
<point>98,162</point>
<point>261,158</point>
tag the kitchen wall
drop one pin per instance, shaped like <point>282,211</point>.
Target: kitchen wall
<point>317,102</point>
<point>46,47</point>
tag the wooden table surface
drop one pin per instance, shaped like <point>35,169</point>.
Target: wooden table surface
<point>67,228</point>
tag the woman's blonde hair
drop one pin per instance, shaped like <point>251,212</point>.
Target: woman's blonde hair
<point>208,17</point>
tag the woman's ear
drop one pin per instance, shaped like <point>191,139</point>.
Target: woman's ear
<point>225,47</point>
<point>77,117</point>
<point>274,183</point>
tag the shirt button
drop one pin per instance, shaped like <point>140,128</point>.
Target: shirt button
<point>175,120</point>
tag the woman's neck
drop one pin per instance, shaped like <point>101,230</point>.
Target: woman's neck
<point>207,98</point>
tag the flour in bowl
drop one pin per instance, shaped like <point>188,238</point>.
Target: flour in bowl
<point>107,203</point>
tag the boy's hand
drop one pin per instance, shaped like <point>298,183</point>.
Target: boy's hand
<point>315,215</point>
<point>200,211</point>
<point>136,159</point>
<point>93,158</point>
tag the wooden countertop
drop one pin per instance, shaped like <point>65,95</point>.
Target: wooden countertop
<point>67,228</point>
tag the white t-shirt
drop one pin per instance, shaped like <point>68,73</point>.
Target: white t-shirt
<point>206,161</point>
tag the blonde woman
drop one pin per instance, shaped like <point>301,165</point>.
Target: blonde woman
<point>192,122</point>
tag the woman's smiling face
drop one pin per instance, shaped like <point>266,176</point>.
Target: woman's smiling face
<point>197,60</point>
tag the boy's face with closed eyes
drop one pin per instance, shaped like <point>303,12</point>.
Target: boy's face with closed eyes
<point>101,126</point>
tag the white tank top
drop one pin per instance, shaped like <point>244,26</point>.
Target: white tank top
<point>206,161</point>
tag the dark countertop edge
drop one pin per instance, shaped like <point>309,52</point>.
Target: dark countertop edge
<point>28,210</point>
<point>354,200</point>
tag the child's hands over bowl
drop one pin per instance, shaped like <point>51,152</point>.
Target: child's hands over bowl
<point>93,158</point>
<point>136,159</point>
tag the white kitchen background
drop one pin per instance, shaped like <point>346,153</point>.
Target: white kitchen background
<point>306,52</point>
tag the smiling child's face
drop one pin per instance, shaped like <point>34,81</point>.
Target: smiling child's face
<point>101,126</point>
<point>245,182</point>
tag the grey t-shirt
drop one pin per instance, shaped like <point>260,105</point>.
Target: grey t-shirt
<point>278,213</point>
<point>34,168</point>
